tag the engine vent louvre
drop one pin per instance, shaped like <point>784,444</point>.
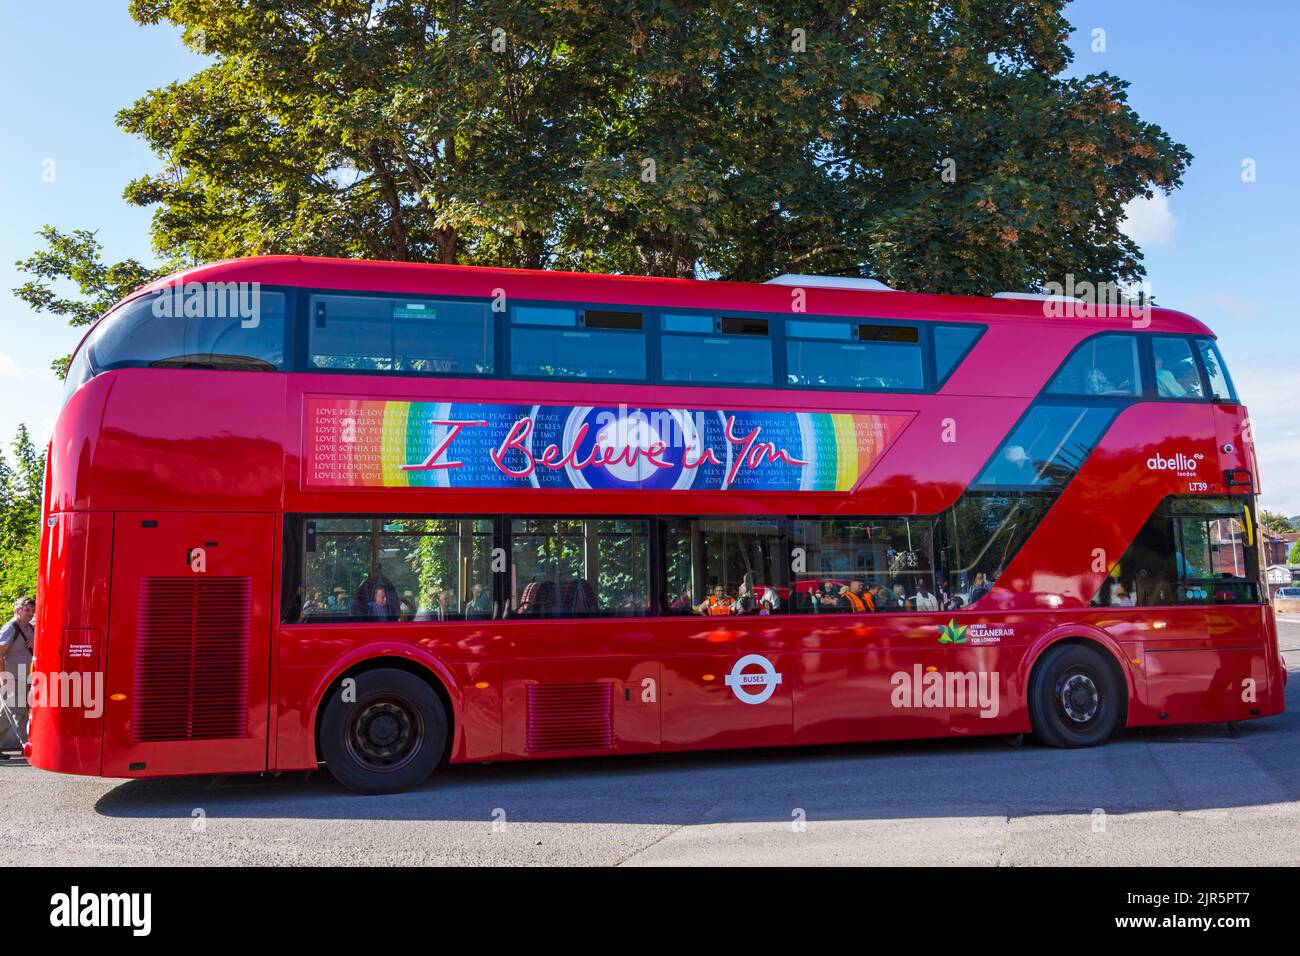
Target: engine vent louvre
<point>191,666</point>
<point>570,716</point>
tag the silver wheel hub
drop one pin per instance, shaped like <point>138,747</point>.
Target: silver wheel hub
<point>1080,698</point>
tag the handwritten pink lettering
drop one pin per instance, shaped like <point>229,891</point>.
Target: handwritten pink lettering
<point>754,452</point>
<point>750,453</point>
<point>431,463</point>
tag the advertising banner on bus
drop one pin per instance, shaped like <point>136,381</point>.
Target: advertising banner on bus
<point>385,443</point>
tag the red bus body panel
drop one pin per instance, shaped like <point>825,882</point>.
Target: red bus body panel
<point>218,457</point>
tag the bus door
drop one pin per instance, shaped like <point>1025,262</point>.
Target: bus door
<point>871,677</point>
<point>727,684</point>
<point>189,644</point>
<point>728,676</point>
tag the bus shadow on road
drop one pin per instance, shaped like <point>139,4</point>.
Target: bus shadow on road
<point>1176,769</point>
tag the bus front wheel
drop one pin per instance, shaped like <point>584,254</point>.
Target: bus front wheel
<point>1074,697</point>
<point>383,733</point>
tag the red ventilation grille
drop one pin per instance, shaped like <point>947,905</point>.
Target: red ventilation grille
<point>570,716</point>
<point>191,658</point>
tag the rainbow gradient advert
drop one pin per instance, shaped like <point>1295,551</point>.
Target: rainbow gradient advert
<point>394,444</point>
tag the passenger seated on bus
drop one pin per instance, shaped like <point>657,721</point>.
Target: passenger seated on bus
<point>924,599</point>
<point>882,598</point>
<point>383,605</point>
<point>717,603</point>
<point>1097,382</point>
<point>479,604</point>
<point>827,598</point>
<point>314,603</point>
<point>365,605</point>
<point>770,602</point>
<point>439,608</point>
<point>1166,384</point>
<point>684,603</point>
<point>1119,595</point>
<point>746,600</point>
<point>859,601</point>
<point>1190,380</point>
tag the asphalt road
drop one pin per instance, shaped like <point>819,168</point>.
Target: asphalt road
<point>1217,794</point>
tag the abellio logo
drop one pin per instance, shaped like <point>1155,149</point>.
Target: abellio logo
<point>1175,462</point>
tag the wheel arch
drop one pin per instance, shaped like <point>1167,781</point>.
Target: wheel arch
<point>399,657</point>
<point>1084,636</point>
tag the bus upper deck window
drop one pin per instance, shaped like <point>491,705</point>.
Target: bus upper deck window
<point>1104,365</point>
<point>555,342</point>
<point>1177,375</point>
<point>407,334</point>
<point>849,354</point>
<point>733,350</point>
<point>1216,372</point>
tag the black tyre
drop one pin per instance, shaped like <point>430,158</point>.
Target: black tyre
<point>390,738</point>
<point>1075,699</point>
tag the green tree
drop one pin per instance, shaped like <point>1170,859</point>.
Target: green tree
<point>1294,556</point>
<point>1275,522</point>
<point>21,484</point>
<point>76,258</point>
<point>935,145</point>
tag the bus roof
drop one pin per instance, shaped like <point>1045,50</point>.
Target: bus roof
<point>426,278</point>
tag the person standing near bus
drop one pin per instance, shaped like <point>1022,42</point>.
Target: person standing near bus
<point>17,639</point>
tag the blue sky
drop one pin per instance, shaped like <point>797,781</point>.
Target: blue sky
<point>1220,78</point>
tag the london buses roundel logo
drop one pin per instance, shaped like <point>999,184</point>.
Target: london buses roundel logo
<point>754,687</point>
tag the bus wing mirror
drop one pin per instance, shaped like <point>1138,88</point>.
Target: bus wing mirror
<point>1238,478</point>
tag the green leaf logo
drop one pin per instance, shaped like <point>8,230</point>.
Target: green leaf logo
<point>952,633</point>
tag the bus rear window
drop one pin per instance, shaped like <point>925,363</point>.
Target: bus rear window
<point>219,328</point>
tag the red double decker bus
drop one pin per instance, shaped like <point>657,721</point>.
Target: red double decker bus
<point>378,516</point>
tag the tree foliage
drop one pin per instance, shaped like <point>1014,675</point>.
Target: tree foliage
<point>20,518</point>
<point>694,138</point>
<point>76,258</point>
<point>1275,522</point>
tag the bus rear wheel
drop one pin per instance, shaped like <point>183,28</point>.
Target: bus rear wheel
<point>388,737</point>
<point>1074,697</point>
